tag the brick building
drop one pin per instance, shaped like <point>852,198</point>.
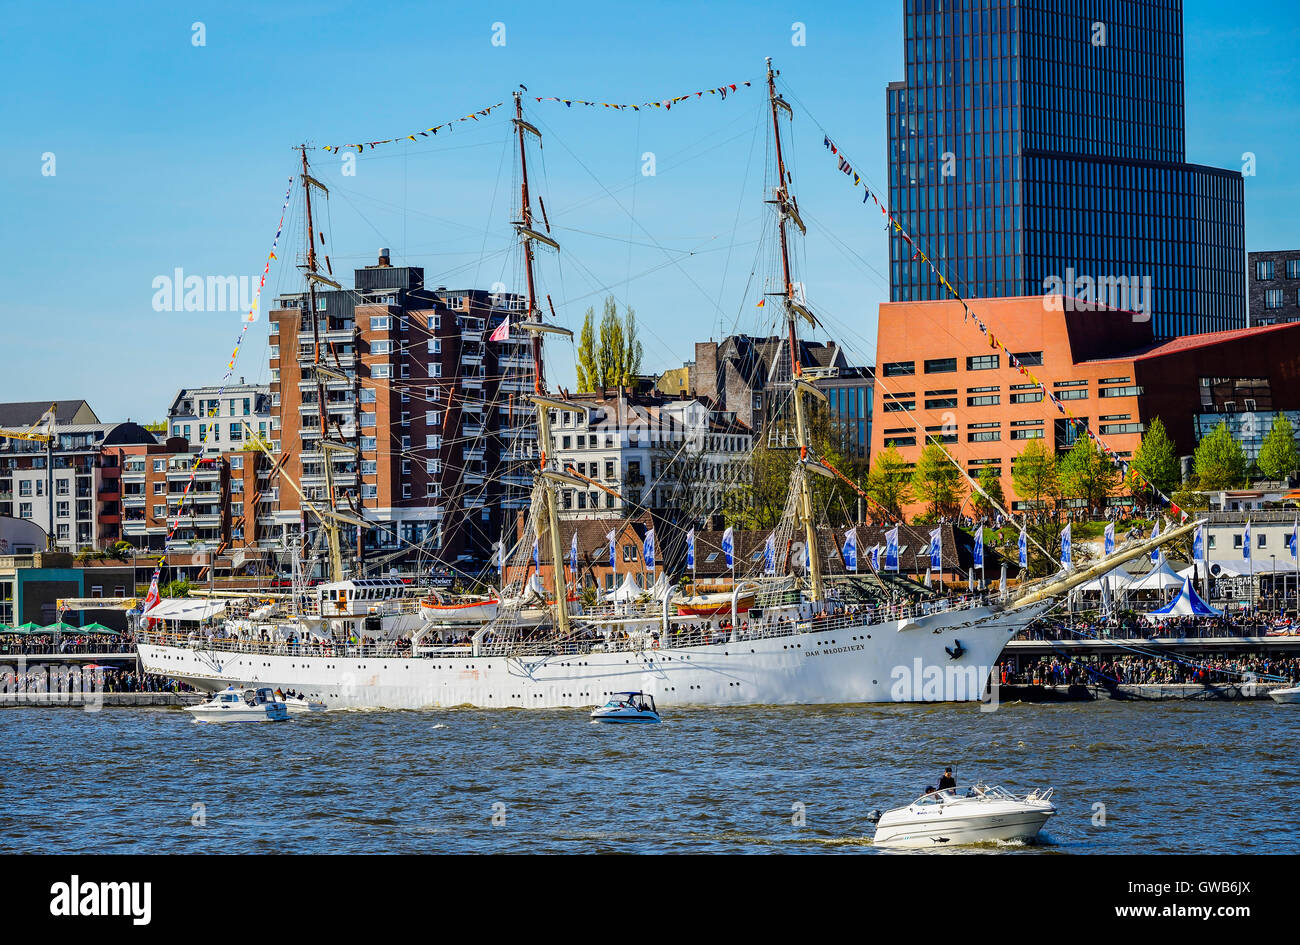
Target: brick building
<point>437,414</point>
<point>1273,286</point>
<point>939,378</point>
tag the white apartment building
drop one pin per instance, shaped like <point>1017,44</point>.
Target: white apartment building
<point>219,419</point>
<point>649,453</point>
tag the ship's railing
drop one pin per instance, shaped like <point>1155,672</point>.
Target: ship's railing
<point>643,636</point>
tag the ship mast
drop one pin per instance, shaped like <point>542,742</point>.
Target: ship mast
<point>533,322</point>
<point>328,520</point>
<point>788,211</point>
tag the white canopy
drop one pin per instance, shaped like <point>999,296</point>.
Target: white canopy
<point>1120,577</point>
<point>1162,577</point>
<point>186,608</point>
<point>662,588</point>
<point>1230,568</point>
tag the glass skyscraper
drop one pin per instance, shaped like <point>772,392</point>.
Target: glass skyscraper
<point>1037,146</point>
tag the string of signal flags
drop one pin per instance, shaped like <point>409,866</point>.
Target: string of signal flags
<point>720,91</point>
<point>846,168</point>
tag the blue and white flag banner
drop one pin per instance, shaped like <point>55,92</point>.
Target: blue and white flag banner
<point>690,549</point>
<point>729,547</point>
<point>648,549</point>
<point>1110,537</point>
<point>851,549</point>
<point>936,550</point>
<point>979,547</point>
<point>891,549</point>
<point>1067,551</point>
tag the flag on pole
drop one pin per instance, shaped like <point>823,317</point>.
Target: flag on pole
<point>502,332</point>
<point>936,550</point>
<point>728,547</point>
<point>1155,533</point>
<point>769,555</point>
<point>891,549</point>
<point>979,547</point>
<point>1245,543</point>
<point>1198,544</point>
<point>1110,537</point>
<point>875,556</point>
<point>690,549</point>
<point>610,536</point>
<point>501,560</point>
<point>537,561</point>
<point>1293,541</point>
<point>573,554</point>
<point>648,549</point>
<point>851,549</point>
<point>1067,553</point>
<point>1023,546</point>
<point>151,599</point>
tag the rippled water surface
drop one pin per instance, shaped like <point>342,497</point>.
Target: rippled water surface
<point>1173,777</point>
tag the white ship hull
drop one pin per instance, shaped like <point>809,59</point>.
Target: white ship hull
<point>907,660</point>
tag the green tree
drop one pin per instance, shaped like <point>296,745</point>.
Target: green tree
<point>1086,473</point>
<point>175,589</point>
<point>632,350</point>
<point>1156,460</point>
<point>1220,461</point>
<point>991,485</point>
<point>1034,474</point>
<point>1277,454</point>
<point>889,482</point>
<point>609,357</point>
<point>937,482</point>
<point>588,365</point>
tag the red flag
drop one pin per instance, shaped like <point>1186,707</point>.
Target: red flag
<point>502,332</point>
<point>151,600</point>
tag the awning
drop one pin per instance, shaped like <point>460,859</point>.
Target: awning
<point>1188,603</point>
<point>186,608</point>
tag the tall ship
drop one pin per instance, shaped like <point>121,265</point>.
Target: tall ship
<point>786,631</point>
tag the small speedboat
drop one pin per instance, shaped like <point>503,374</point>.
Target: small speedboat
<point>298,702</point>
<point>977,814</point>
<point>1286,696</point>
<point>231,705</point>
<point>627,707</point>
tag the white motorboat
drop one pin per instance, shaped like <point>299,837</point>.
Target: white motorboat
<point>977,814</point>
<point>231,705</point>
<point>298,702</point>
<point>1288,696</point>
<point>627,707</point>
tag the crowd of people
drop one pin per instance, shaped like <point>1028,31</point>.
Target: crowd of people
<point>80,679</point>
<point>46,644</point>
<point>1098,670</point>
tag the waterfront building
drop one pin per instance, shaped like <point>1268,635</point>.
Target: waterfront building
<point>651,452</point>
<point>939,378</point>
<point>437,414</point>
<point>1038,150</point>
<point>750,377</point>
<point>217,419</point>
<point>32,584</point>
<point>76,496</point>
<point>1273,277</point>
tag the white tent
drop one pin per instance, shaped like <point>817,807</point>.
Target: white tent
<point>1119,578</point>
<point>1160,578</point>
<point>662,588</point>
<point>627,590</point>
<point>1232,568</point>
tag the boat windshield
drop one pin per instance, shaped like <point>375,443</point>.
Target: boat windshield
<point>948,795</point>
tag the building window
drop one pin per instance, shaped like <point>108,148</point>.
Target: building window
<point>381,322</point>
<point>1120,392</point>
<point>322,304</point>
<point>1264,270</point>
<point>1293,268</point>
<point>1072,395</point>
<point>897,406</point>
<point>983,362</point>
<point>940,366</point>
<point>381,370</point>
<point>984,436</point>
<point>1027,434</point>
<point>1273,298</point>
<point>435,370</point>
<point>941,403</point>
<point>1122,428</point>
<point>381,347</point>
<point>899,368</point>
<point>1029,358</point>
<point>986,400</point>
<point>435,346</point>
<point>1025,394</point>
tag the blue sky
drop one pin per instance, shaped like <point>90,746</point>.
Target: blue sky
<point>170,155</point>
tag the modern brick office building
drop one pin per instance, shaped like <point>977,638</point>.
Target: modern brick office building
<point>1273,278</point>
<point>938,377</point>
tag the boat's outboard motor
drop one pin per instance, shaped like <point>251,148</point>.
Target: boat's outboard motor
<point>873,816</point>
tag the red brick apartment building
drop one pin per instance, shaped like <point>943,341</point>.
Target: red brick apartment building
<point>437,414</point>
<point>937,376</point>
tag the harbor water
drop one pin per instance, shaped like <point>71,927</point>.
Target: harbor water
<point>1170,777</point>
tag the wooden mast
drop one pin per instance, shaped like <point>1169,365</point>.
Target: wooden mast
<point>526,236</point>
<point>793,308</point>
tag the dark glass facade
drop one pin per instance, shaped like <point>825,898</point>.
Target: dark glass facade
<point>1037,143</point>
